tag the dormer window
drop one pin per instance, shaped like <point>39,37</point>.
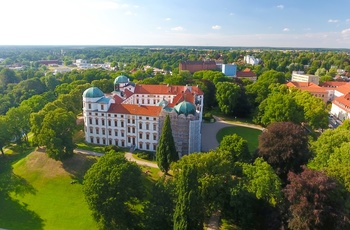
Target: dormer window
<point>102,107</point>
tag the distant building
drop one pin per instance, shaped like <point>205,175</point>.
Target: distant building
<point>83,64</point>
<point>229,69</point>
<point>246,73</point>
<point>194,66</point>
<point>314,89</point>
<point>49,62</point>
<point>299,76</point>
<point>133,115</point>
<point>251,60</point>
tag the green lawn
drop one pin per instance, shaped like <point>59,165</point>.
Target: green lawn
<point>39,193</point>
<point>249,134</point>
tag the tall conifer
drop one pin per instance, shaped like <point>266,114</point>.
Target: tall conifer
<point>166,151</point>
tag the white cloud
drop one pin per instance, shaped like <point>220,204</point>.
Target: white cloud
<point>333,20</point>
<point>346,31</point>
<point>178,28</point>
<point>231,14</point>
<point>129,13</point>
<point>106,5</point>
<point>280,7</point>
<point>286,30</point>
<point>159,28</point>
<point>216,27</point>
<point>167,19</point>
<point>347,20</point>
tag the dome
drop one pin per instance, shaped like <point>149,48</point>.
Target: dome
<point>185,108</point>
<point>93,92</point>
<point>121,79</point>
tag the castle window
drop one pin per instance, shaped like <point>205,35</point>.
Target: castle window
<point>98,140</point>
<point>115,123</point>
<point>104,141</point>
<point>147,126</point>
<point>154,127</point>
<point>147,136</point>
<point>102,107</point>
<point>140,125</point>
<point>89,105</point>
<point>140,135</point>
<point>116,132</point>
<point>90,121</point>
<point>109,122</point>
<point>133,129</point>
<point>122,124</point>
<point>109,132</point>
<point>128,129</point>
<point>147,146</point>
<point>103,131</point>
<point>122,134</point>
<point>110,141</point>
<point>91,140</point>
<point>103,121</point>
<point>154,146</point>
<point>154,136</point>
<point>140,145</point>
<point>97,131</point>
<point>96,121</point>
<point>91,130</point>
<point>116,141</point>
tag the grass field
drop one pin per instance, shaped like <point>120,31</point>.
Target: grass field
<point>249,134</point>
<point>39,193</point>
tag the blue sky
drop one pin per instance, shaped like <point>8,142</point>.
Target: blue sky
<point>267,23</point>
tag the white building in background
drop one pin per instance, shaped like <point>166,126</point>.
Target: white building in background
<point>299,76</point>
<point>133,115</point>
<point>251,60</point>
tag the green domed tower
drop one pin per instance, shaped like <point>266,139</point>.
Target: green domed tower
<point>185,108</point>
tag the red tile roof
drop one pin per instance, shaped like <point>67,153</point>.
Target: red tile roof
<point>164,89</point>
<point>343,102</point>
<point>307,86</point>
<point>333,84</point>
<point>144,110</point>
<point>245,73</point>
<point>344,89</point>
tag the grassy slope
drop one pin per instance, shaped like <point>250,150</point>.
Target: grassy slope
<point>249,134</point>
<point>57,203</point>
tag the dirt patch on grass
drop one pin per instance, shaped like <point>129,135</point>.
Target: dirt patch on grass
<point>76,166</point>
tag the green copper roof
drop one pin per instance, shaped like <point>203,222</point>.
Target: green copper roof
<point>163,103</point>
<point>93,92</point>
<point>186,108</point>
<point>121,79</point>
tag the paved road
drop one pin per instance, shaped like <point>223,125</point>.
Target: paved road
<point>209,131</point>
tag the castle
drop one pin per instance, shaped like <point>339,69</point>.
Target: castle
<point>133,115</point>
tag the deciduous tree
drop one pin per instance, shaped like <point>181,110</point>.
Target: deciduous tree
<point>316,202</point>
<point>227,95</point>
<point>111,188</point>
<point>284,145</point>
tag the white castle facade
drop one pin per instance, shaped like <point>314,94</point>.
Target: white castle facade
<point>133,115</point>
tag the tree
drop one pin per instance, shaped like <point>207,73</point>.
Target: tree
<point>8,76</point>
<point>188,209</point>
<point>284,145</point>
<point>18,120</point>
<point>227,95</point>
<point>166,150</point>
<point>56,133</point>
<point>279,107</point>
<point>111,187</point>
<point>4,134</point>
<point>316,202</point>
<point>260,179</point>
<point>160,209</point>
<point>236,146</point>
<point>315,113</point>
<point>327,143</point>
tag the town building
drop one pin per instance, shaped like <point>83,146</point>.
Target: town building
<point>314,89</point>
<point>251,60</point>
<point>299,76</point>
<point>341,107</point>
<point>229,69</point>
<point>246,73</point>
<point>133,115</point>
<point>194,66</point>
<point>335,88</point>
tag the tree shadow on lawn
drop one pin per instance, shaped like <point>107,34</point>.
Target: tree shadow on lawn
<point>14,215</point>
<point>77,165</point>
